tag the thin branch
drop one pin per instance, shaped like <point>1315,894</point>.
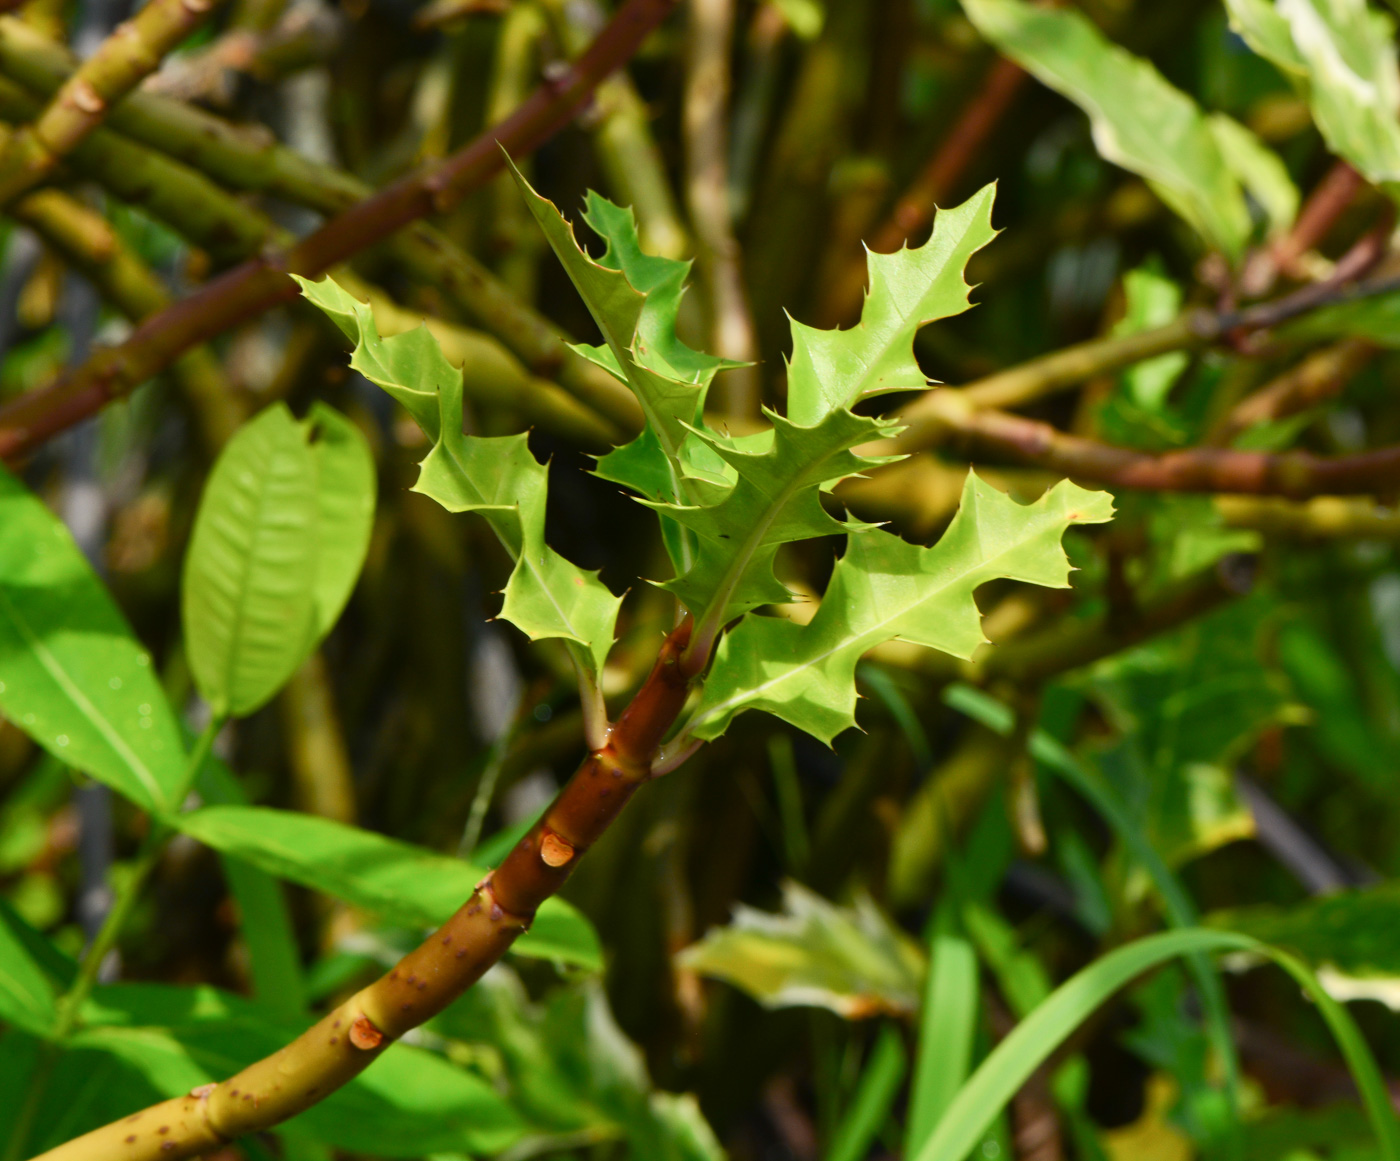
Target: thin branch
<point>262,283</point>
<point>133,51</point>
<point>347,1040</point>
<point>1294,474</point>
<point>1316,379</point>
<point>89,244</point>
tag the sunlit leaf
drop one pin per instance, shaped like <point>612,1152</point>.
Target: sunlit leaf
<point>407,884</point>
<point>885,588</point>
<point>1343,54</point>
<point>499,478</point>
<point>72,674</point>
<point>814,954</point>
<point>1140,120</point>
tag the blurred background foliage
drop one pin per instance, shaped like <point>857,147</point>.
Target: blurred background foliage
<point>1225,672</point>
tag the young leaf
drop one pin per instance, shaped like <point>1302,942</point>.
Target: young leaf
<point>835,369</point>
<point>1343,53</point>
<point>885,588</point>
<point>852,961</point>
<point>249,589</point>
<point>633,298</point>
<point>775,500</point>
<point>1140,121</point>
<point>408,884</point>
<point>72,674</point>
<point>547,596</point>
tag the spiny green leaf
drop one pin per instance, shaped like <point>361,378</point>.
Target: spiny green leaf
<point>851,960</point>
<point>774,500</point>
<point>72,674</point>
<point>1140,121</point>
<point>633,297</point>
<point>885,588</point>
<point>499,478</point>
<point>909,288</point>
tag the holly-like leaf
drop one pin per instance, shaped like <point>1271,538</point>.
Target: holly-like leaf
<point>1140,120</point>
<point>774,500</point>
<point>634,297</point>
<point>909,288</point>
<point>498,477</point>
<point>853,961</point>
<point>1342,52</point>
<point>885,588</point>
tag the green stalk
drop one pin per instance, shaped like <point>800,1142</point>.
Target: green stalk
<point>128,55</point>
<point>244,159</point>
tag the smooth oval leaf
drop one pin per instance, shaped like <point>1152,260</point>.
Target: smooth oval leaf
<point>72,674</point>
<point>407,884</point>
<point>249,593</point>
<point>345,510</point>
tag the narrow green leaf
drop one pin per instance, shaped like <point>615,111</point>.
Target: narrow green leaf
<point>72,674</point>
<point>407,884</point>
<point>1343,54</point>
<point>1140,121</point>
<point>27,997</point>
<point>249,590</point>
<point>1012,1062</point>
<point>874,1098</point>
<point>499,478</point>
<point>883,588</point>
<point>835,369</point>
<point>947,1028</point>
<point>853,961</point>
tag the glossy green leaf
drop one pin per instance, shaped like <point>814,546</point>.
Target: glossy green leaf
<point>408,884</point>
<point>885,588</point>
<point>249,591</point>
<point>499,478</point>
<point>1012,1062</point>
<point>72,674</point>
<point>410,1103</point>
<point>1140,121</point>
<point>345,485</point>
<point>27,998</point>
<point>814,954</point>
<point>1343,54</point>
<point>834,369</point>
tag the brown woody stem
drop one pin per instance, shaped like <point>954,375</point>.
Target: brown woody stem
<point>131,53</point>
<point>262,283</point>
<point>347,1040</point>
